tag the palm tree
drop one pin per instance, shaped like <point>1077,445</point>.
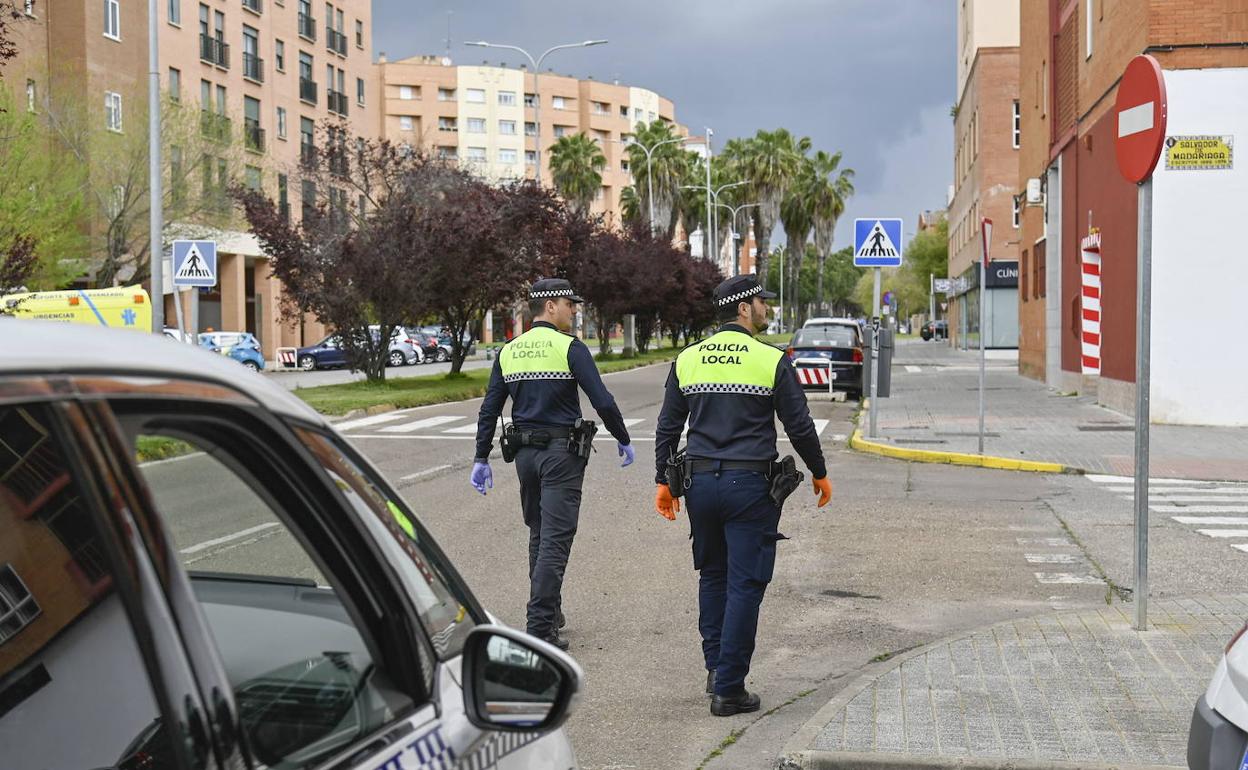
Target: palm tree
<point>665,167</point>
<point>828,195</point>
<point>630,205</point>
<point>770,160</point>
<point>797,216</point>
<point>576,164</point>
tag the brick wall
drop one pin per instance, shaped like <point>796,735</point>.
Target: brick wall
<point>1033,162</point>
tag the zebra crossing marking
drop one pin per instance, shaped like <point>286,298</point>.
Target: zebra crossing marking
<point>1193,502</point>
<point>364,422</point>
<point>428,422</point>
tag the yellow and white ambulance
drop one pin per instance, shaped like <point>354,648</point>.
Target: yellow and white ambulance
<point>120,307</point>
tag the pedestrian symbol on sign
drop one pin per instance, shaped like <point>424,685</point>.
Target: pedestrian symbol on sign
<point>194,263</point>
<point>193,266</point>
<point>877,242</point>
<point>880,245</point>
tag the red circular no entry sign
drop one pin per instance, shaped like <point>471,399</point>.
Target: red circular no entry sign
<point>1141,114</point>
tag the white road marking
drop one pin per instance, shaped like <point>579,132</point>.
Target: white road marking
<point>470,428</point>
<point>839,437</point>
<point>631,421</point>
<point>1190,499</point>
<point>913,369</point>
<point>1225,490</point>
<point>1066,578</point>
<point>410,436</point>
<point>819,426</point>
<point>1199,508</point>
<point>1100,479</point>
<point>1240,547</point>
<point>1210,521</point>
<point>1051,558</point>
<point>376,419</point>
<point>1051,542</point>
<point>425,472</point>
<point>226,539</point>
<point>428,422</point>
<point>1224,532</point>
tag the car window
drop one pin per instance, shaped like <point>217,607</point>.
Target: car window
<point>444,613</point>
<point>306,682</point>
<point>826,337</point>
<point>74,689</point>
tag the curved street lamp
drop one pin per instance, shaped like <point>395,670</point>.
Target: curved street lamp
<point>736,252</point>
<point>712,195</point>
<point>649,151</point>
<point>537,93</point>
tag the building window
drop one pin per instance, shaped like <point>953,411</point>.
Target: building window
<point>31,96</point>
<point>407,123</point>
<point>175,85</point>
<point>252,178</point>
<point>623,111</point>
<point>279,55</point>
<point>30,7</point>
<point>283,196</point>
<point>530,157</point>
<point>530,100</point>
<point>476,154</point>
<point>175,12</point>
<point>112,111</point>
<point>507,127</point>
<point>476,125</point>
<point>637,114</point>
<point>112,19</point>
<point>475,96</point>
<point>446,94</point>
<point>530,128</point>
<point>561,131</point>
<point>447,124</point>
<point>17,607</point>
<point>559,102</point>
<point>447,153</point>
<point>359,91</point>
<point>507,98</point>
<point>308,198</point>
<point>359,34</point>
<point>653,117</point>
<point>602,108</point>
<point>281,122</point>
<point>1018,211</point>
<point>506,156</point>
<point>624,165</point>
<point>1038,288</point>
<point>407,93</point>
<point>1017,135</point>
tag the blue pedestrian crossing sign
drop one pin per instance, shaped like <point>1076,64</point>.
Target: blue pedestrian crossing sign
<point>877,242</point>
<point>194,263</point>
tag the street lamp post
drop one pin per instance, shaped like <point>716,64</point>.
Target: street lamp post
<point>156,252</point>
<point>537,92</point>
<point>649,151</point>
<point>736,250</point>
<point>712,200</point>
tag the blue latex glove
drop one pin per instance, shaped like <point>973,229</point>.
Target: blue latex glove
<point>482,476</point>
<point>628,453</point>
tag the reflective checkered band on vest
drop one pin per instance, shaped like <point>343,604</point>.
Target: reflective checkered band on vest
<point>740,296</point>
<point>552,293</point>
<point>517,376</point>
<point>726,387</point>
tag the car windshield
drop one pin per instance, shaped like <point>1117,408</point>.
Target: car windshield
<point>826,337</point>
<point>225,339</point>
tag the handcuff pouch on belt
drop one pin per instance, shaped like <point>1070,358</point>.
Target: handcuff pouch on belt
<point>581,440</point>
<point>785,478</point>
<point>678,476</point>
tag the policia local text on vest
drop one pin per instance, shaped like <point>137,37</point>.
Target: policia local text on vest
<point>730,388</point>
<point>548,440</point>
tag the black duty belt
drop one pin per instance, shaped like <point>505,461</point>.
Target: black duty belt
<point>702,466</point>
<point>546,430</point>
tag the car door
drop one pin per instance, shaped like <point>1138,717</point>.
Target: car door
<point>312,655</point>
<point>92,670</point>
<point>331,353</point>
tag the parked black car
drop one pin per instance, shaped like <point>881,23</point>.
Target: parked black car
<point>841,344</point>
<point>934,330</point>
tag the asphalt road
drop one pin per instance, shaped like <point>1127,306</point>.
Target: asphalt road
<point>296,378</point>
<point>905,554</point>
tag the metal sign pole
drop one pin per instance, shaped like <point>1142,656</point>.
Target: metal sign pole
<point>1143,365</point>
<point>985,228</point>
<point>875,357</point>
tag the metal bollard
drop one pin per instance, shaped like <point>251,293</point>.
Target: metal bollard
<point>886,363</point>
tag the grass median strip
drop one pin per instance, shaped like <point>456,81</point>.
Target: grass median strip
<point>406,392</point>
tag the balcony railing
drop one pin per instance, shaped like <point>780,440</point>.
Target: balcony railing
<point>214,126</point>
<point>253,67</point>
<point>335,40</point>
<point>308,155</point>
<point>253,135</point>
<point>307,27</point>
<point>337,102</point>
<point>307,90</point>
<point>254,5</point>
<point>214,51</point>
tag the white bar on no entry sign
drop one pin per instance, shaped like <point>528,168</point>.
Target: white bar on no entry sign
<point>1136,119</point>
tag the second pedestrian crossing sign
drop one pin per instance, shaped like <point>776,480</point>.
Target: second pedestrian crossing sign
<point>194,263</point>
<point>877,242</point>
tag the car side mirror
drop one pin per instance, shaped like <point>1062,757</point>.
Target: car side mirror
<point>515,682</point>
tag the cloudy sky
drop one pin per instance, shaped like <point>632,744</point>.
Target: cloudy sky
<point>872,78</point>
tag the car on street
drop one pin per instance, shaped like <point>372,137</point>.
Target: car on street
<point>428,346</point>
<point>329,353</point>
<point>242,347</point>
<point>445,340</point>
<point>1219,733</point>
<point>838,344</point>
<point>934,330</point>
<point>268,600</point>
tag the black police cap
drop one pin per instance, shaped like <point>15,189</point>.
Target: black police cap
<point>553,288</point>
<point>740,288</point>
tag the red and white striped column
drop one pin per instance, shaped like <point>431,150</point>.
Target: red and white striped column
<point>1090,334</point>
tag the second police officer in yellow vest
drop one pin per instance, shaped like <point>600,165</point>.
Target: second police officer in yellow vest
<point>731,387</point>
<point>540,370</point>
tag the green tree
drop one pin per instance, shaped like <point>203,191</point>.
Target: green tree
<point>630,205</point>
<point>797,216</point>
<point>41,208</point>
<point>576,164</point>
<point>926,256</point>
<point>840,280</point>
<point>829,191</point>
<point>770,160</point>
<point>667,167</point>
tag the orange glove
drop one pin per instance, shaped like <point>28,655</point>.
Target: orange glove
<point>823,488</point>
<point>665,504</point>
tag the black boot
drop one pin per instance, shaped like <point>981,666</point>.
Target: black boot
<point>710,682</point>
<point>560,621</point>
<point>557,640</point>
<point>727,705</point>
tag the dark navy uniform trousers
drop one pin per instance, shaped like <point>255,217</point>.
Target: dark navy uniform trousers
<point>734,525</point>
<point>550,495</point>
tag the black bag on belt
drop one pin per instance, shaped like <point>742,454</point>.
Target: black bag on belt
<point>677,473</point>
<point>785,478</point>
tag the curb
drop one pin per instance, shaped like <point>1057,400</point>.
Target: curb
<point>954,458</point>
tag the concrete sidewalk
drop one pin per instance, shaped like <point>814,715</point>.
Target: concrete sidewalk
<point>934,406</point>
<point>1071,689</point>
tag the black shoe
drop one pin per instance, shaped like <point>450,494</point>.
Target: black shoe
<point>710,682</point>
<point>560,621</point>
<point>557,640</point>
<point>727,705</point>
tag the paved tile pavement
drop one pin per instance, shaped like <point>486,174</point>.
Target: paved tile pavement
<point>934,405</point>
<point>1075,686</point>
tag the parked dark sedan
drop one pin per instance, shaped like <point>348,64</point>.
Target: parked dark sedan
<point>428,345</point>
<point>934,329</point>
<point>811,349</point>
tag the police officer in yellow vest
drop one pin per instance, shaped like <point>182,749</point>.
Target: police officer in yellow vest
<point>541,370</point>
<point>731,387</point>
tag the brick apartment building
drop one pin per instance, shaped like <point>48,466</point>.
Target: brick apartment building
<point>985,173</point>
<point>1072,53</point>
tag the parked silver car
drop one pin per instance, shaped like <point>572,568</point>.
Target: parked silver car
<point>261,597</point>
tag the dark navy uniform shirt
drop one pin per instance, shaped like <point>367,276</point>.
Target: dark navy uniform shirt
<point>545,403</point>
<point>737,425</point>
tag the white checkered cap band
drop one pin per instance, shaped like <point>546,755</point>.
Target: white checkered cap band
<point>740,296</point>
<point>551,293</point>
<point>726,387</point>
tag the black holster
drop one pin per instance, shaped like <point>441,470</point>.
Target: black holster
<point>581,439</point>
<point>677,472</point>
<point>514,438</point>
<point>785,478</point>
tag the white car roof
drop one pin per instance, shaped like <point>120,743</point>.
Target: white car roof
<point>45,347</point>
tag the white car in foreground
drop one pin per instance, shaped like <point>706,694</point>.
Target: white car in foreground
<point>259,596</point>
<point>1219,735</point>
